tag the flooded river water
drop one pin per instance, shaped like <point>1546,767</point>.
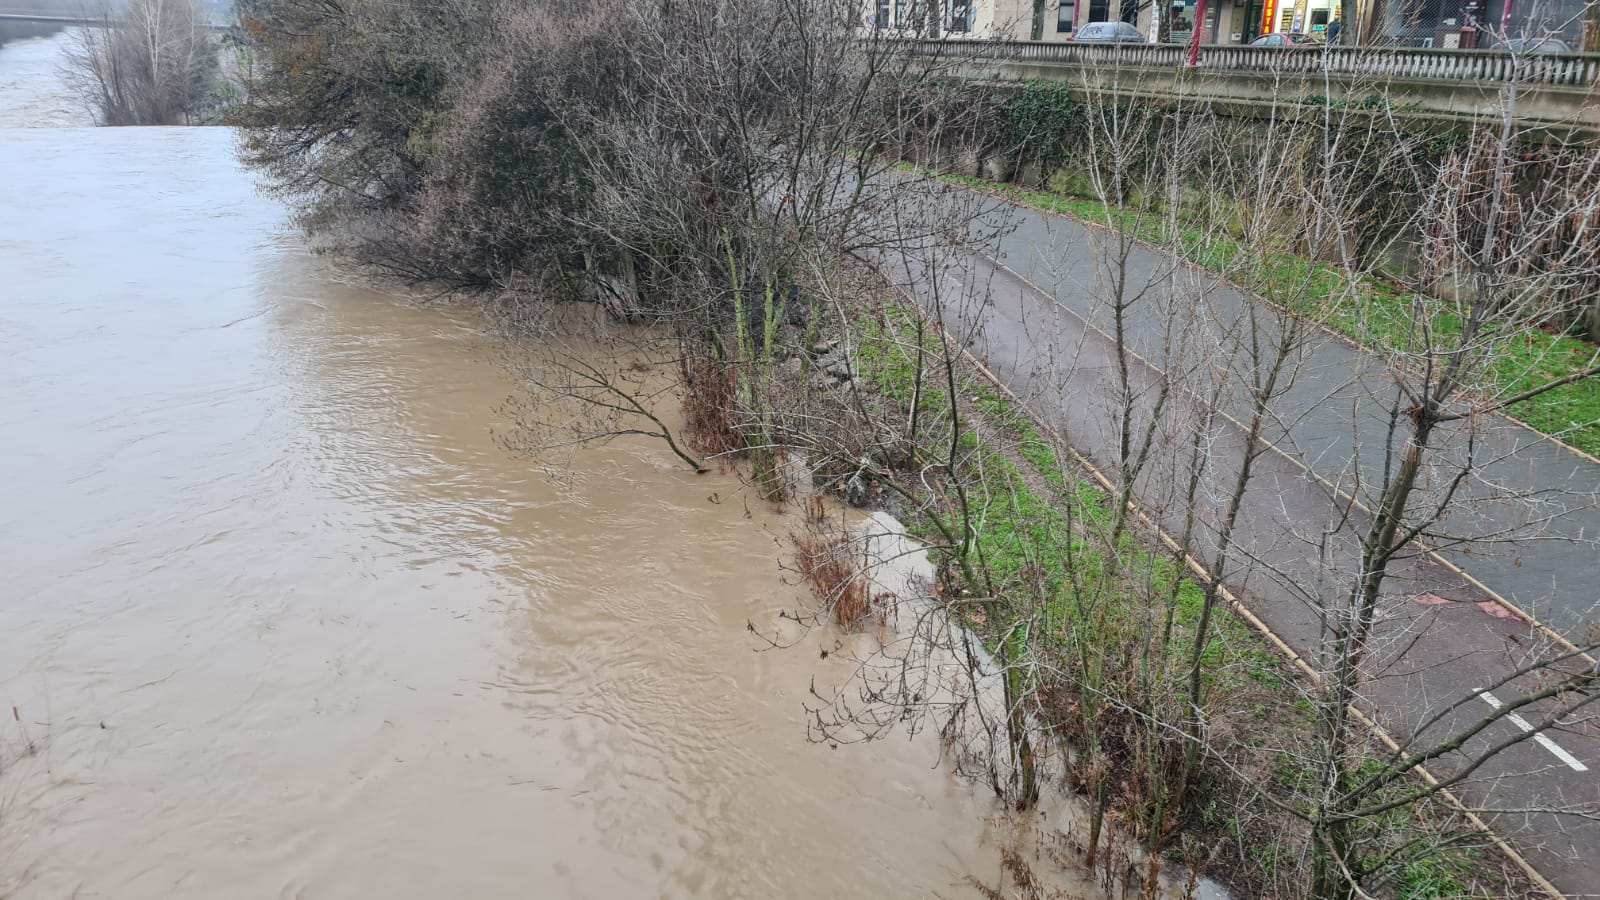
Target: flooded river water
<point>281,619</point>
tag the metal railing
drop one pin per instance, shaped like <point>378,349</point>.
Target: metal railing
<point>1570,69</point>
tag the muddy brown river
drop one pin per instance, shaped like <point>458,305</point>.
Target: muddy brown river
<point>280,618</point>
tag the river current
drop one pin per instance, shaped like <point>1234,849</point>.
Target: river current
<point>279,617</point>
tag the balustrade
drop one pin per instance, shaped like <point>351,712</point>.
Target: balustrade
<point>1570,69</point>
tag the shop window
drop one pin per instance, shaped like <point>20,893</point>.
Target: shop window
<point>1182,21</point>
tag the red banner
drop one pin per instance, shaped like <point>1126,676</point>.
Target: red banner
<point>1268,12</point>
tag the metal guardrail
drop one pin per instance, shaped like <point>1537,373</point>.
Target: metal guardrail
<point>1569,69</point>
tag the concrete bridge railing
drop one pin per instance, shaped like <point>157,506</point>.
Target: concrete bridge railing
<point>85,21</point>
<point>1569,69</point>
<point>1556,92</point>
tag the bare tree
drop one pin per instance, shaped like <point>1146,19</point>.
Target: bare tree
<point>154,63</point>
<point>1493,217</point>
<point>1494,226</point>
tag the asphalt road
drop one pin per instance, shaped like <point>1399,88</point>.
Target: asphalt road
<point>1033,308</point>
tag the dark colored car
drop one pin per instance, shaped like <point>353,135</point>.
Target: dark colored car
<point>1108,33</point>
<point>1284,40</point>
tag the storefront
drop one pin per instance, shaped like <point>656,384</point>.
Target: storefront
<point>1564,19</point>
<point>1301,17</point>
<point>1248,26</point>
<point>1314,18</point>
<point>1182,18</point>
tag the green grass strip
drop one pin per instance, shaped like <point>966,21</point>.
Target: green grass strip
<point>1376,314</point>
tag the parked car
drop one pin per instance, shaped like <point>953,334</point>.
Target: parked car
<point>1533,45</point>
<point>1108,33</point>
<point>1284,40</point>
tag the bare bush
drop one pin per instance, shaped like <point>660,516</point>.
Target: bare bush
<point>154,63</point>
<point>830,561</point>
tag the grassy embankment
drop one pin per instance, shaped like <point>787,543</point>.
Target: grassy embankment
<point>1042,542</point>
<point>1377,315</point>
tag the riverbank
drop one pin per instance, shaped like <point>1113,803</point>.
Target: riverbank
<point>1047,560</point>
<point>636,163</point>
<point>20,31</point>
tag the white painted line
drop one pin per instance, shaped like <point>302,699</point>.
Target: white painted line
<point>1543,741</point>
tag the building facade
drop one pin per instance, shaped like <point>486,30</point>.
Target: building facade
<point>1226,21</point>
<point>1409,23</point>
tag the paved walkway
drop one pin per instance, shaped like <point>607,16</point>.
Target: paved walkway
<point>1032,307</point>
<point>1338,407</point>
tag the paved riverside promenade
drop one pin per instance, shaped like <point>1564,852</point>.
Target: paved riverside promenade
<point>1455,621</point>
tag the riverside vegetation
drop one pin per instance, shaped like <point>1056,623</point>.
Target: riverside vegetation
<point>154,62</point>
<point>1377,313</point>
<point>730,176</point>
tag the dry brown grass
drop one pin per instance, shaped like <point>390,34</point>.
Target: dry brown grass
<point>832,565</point>
<point>711,421</point>
<point>1018,881</point>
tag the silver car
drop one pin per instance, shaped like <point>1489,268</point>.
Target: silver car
<point>1533,45</point>
<point>1108,33</point>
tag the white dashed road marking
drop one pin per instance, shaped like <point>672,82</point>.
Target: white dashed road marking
<point>1543,741</point>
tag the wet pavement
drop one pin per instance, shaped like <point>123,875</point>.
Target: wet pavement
<point>1034,312</point>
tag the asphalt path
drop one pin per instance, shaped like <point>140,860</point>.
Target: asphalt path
<point>1456,619</point>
